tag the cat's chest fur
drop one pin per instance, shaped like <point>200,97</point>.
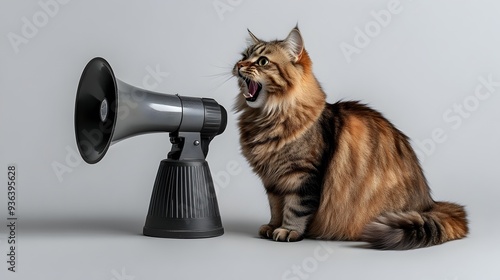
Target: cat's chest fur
<point>277,149</point>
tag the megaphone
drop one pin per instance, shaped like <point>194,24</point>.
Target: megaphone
<point>183,202</point>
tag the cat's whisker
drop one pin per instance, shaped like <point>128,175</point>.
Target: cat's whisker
<point>227,66</point>
<point>226,80</point>
<point>223,74</point>
<point>215,88</point>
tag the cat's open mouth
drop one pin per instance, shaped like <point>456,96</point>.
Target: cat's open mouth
<point>253,90</point>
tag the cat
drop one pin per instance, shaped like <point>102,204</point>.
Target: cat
<point>331,171</point>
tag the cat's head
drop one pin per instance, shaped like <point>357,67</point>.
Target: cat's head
<point>268,72</point>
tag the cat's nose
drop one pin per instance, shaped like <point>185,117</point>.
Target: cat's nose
<point>241,64</point>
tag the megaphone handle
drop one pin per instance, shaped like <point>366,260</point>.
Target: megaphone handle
<point>186,145</point>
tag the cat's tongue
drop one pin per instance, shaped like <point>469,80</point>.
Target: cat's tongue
<point>252,89</point>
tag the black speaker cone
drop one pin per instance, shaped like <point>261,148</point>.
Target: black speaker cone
<point>95,110</point>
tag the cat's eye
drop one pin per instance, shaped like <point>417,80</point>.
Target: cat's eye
<point>262,61</point>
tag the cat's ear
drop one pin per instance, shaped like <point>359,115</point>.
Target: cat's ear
<point>253,39</point>
<point>294,44</point>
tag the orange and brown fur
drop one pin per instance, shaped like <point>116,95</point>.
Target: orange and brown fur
<point>331,171</point>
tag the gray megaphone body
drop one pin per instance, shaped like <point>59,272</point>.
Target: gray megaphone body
<point>183,203</point>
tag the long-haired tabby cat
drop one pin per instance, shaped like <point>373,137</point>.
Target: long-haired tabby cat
<point>331,171</point>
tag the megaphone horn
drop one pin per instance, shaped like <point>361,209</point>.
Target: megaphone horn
<point>107,110</point>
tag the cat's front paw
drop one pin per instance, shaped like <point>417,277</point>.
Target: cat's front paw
<point>266,231</point>
<point>283,234</point>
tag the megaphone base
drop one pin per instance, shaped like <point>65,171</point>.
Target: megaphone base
<point>183,203</point>
<point>211,229</point>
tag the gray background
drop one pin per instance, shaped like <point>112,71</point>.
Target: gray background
<point>86,223</point>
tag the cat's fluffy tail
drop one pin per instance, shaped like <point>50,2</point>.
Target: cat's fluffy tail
<point>410,230</point>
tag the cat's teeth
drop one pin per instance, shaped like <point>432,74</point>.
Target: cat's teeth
<point>247,95</point>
